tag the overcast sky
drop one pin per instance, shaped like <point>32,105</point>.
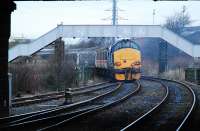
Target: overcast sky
<point>32,19</point>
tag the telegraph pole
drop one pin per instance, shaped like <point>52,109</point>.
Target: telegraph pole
<point>114,13</point>
<point>115,17</point>
<point>154,12</point>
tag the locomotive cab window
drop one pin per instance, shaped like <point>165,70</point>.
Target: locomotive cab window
<point>125,44</point>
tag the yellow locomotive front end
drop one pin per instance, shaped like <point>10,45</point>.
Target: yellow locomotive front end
<point>126,61</point>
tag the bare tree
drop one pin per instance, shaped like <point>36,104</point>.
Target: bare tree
<point>178,21</point>
<point>27,77</point>
<point>102,41</point>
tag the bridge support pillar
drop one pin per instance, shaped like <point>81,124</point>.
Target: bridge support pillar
<point>6,7</point>
<point>59,57</point>
<point>163,56</point>
<point>196,63</point>
<point>59,51</point>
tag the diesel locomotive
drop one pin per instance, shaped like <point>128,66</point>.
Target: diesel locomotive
<point>122,60</point>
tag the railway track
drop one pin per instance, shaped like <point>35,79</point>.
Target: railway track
<point>168,109</point>
<point>172,114</point>
<point>28,122</point>
<point>193,123</point>
<point>37,99</point>
<point>125,93</point>
<point>115,116</point>
<point>52,96</point>
<point>87,93</point>
<point>103,86</point>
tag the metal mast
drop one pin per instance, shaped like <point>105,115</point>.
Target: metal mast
<point>154,13</point>
<point>114,13</point>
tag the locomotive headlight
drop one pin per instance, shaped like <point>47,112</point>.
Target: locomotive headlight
<point>136,63</point>
<point>117,64</point>
<point>124,61</point>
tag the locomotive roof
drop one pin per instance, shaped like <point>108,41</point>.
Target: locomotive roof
<point>125,43</point>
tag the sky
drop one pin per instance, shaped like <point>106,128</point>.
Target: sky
<point>33,19</point>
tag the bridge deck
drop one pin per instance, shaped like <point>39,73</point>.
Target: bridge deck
<point>125,31</point>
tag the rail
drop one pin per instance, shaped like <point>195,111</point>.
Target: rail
<point>151,110</point>
<point>182,123</point>
<point>93,111</point>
